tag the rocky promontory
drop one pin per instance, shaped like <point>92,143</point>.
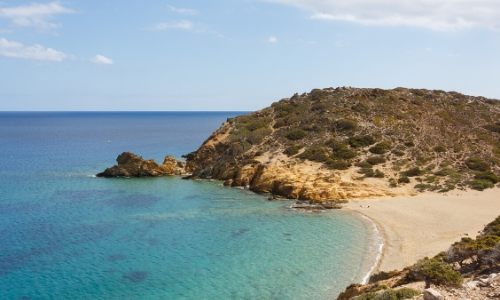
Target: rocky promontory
<point>343,143</point>
<point>131,165</point>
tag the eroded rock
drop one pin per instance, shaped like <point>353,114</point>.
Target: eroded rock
<point>131,165</point>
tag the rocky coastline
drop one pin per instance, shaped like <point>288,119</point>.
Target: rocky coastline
<point>329,146</point>
<point>347,143</point>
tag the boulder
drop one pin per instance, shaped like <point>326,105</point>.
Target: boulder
<point>131,165</point>
<point>432,294</point>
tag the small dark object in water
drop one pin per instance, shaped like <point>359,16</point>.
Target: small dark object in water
<point>135,276</point>
<point>239,232</point>
<point>115,257</point>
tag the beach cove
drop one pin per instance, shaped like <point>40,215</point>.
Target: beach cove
<point>414,227</point>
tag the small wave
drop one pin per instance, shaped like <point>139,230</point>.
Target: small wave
<point>379,243</point>
<point>82,175</point>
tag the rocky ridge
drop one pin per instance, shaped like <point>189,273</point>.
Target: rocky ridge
<point>345,143</point>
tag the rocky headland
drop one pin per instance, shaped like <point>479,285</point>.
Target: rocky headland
<point>346,143</point>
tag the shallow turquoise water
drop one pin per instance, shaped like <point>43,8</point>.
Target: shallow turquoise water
<point>68,235</point>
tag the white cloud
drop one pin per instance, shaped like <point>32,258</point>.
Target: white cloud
<point>183,11</point>
<point>35,14</point>
<point>102,60</point>
<point>186,25</point>
<point>272,39</point>
<point>35,52</point>
<point>431,14</point>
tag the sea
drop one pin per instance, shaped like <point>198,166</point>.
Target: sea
<point>65,234</point>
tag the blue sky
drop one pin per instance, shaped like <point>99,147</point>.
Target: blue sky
<point>239,54</point>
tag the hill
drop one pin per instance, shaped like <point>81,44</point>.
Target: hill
<point>344,143</point>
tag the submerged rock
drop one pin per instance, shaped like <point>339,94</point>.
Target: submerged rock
<point>131,165</point>
<point>308,206</point>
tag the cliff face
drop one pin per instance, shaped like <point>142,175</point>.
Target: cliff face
<point>346,143</point>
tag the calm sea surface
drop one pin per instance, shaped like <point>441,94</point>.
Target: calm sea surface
<point>65,234</point>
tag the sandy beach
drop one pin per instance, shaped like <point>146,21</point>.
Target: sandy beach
<point>424,225</point>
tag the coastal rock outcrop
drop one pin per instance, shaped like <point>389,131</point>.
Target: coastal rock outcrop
<point>131,165</point>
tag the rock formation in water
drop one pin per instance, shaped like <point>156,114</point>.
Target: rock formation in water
<point>348,143</point>
<point>131,165</point>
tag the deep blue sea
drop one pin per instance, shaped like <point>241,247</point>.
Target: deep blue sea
<point>65,234</point>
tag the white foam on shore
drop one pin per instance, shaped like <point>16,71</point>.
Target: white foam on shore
<point>378,244</point>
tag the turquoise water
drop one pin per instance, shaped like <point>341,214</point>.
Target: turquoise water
<point>68,235</point>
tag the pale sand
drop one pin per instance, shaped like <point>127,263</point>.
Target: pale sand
<point>426,224</point>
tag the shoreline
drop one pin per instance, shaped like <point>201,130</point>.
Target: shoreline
<point>378,244</point>
<point>414,227</point>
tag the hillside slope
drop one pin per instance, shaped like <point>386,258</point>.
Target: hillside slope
<point>345,143</point>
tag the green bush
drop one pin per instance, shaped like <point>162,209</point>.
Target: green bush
<point>443,172</point>
<point>378,174</point>
<point>256,124</point>
<point>439,148</point>
<point>279,123</point>
<point>438,272</point>
<point>403,179</point>
<point>369,172</point>
<point>339,165</point>
<point>363,164</point>
<point>493,127</point>
<point>344,154</point>
<point>292,150</point>
<point>409,144</point>
<point>481,184</point>
<point>257,136</point>
<point>418,92</point>
<point>340,150</point>
<point>319,106</point>
<point>488,176</point>
<point>335,145</point>
<point>319,156</point>
<point>260,152</point>
<point>296,134</point>
<point>375,160</point>
<point>477,164</point>
<point>404,293</point>
<point>366,296</point>
<point>398,152</point>
<point>317,153</point>
<point>422,187</point>
<point>413,172</point>
<point>360,141</point>
<point>493,228</point>
<point>346,124</point>
<point>380,148</point>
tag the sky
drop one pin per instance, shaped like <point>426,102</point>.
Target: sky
<point>238,55</point>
